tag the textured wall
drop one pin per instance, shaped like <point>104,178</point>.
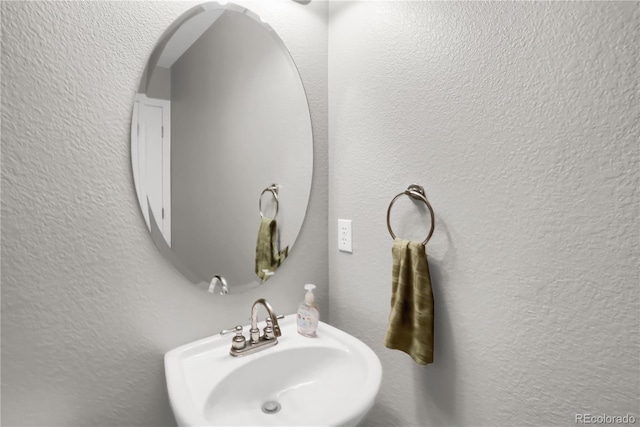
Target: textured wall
<point>520,119</point>
<point>89,306</point>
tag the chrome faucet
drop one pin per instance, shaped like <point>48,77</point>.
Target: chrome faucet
<point>241,346</point>
<point>224,287</point>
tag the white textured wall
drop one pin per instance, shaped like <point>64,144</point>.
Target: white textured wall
<point>520,119</point>
<point>89,306</point>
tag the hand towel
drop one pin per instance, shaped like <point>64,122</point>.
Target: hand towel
<point>267,255</point>
<point>411,319</point>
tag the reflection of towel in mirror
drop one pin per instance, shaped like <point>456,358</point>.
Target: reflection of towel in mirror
<point>267,255</point>
<point>411,320</point>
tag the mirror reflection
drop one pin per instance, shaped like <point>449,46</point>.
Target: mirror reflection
<point>222,149</point>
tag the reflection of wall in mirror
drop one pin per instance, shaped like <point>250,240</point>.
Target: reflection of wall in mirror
<point>159,86</point>
<point>230,125</point>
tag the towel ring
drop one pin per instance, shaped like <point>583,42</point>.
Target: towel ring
<point>416,192</point>
<point>273,188</point>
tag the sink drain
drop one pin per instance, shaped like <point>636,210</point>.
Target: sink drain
<point>270,407</point>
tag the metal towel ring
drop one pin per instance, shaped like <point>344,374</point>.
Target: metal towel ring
<point>273,188</point>
<point>416,192</point>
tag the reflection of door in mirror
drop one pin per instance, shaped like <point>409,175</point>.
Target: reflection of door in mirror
<point>152,136</point>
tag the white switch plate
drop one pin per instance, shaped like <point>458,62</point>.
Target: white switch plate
<point>345,244</point>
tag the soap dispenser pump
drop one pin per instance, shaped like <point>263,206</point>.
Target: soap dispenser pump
<point>308,314</point>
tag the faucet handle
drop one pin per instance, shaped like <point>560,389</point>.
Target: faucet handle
<point>239,341</point>
<point>237,329</point>
<point>276,327</point>
<point>268,330</point>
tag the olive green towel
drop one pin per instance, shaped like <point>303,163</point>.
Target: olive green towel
<point>267,255</point>
<point>411,320</point>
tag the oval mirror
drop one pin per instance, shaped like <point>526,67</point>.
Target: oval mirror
<point>222,147</point>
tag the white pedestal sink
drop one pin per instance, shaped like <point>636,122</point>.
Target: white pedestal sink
<point>331,380</point>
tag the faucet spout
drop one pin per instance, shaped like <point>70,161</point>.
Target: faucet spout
<point>224,287</point>
<point>272,316</point>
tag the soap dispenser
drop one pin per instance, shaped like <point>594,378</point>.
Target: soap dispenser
<point>308,314</point>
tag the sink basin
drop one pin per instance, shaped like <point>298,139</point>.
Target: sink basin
<point>330,380</point>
